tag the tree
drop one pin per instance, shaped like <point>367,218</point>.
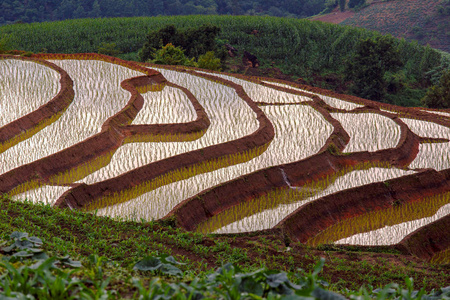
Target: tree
<point>96,11</point>
<point>342,5</point>
<point>109,49</point>
<point>373,58</point>
<point>5,43</point>
<point>356,3</point>
<point>209,61</point>
<point>195,41</point>
<point>171,55</point>
<point>438,96</point>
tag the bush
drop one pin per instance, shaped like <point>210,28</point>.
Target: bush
<point>438,96</point>
<point>209,61</point>
<point>5,43</point>
<point>171,55</point>
<point>109,49</point>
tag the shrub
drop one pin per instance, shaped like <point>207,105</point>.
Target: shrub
<point>438,96</point>
<point>109,49</point>
<point>209,61</point>
<point>171,55</point>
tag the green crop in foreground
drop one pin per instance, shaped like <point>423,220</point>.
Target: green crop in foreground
<point>80,235</point>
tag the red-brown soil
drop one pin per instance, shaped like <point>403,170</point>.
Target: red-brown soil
<point>336,16</point>
<point>411,19</point>
<point>300,225</point>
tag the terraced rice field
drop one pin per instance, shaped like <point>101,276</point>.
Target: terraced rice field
<point>223,153</point>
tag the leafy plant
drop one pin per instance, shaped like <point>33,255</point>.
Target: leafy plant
<point>209,61</point>
<point>438,96</point>
<point>171,55</point>
<point>108,49</point>
<point>163,264</point>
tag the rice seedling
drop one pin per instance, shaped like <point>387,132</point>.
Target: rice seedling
<point>176,176</point>
<point>296,127</point>
<point>432,155</point>
<point>231,118</point>
<point>98,96</point>
<point>369,131</point>
<point>170,105</point>
<point>441,258</point>
<point>437,113</point>
<point>393,232</point>
<point>427,129</point>
<point>24,86</point>
<point>333,102</point>
<point>279,204</point>
<point>46,194</point>
<point>260,93</point>
<point>300,131</point>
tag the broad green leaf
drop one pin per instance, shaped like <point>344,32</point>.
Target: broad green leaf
<point>249,285</point>
<point>9,248</point>
<point>35,240</point>
<point>40,256</point>
<point>22,254</point>
<point>149,263</point>
<point>170,270</point>
<point>24,244</point>
<point>322,294</point>
<point>172,260</point>
<point>18,235</point>
<point>72,263</point>
<point>275,280</point>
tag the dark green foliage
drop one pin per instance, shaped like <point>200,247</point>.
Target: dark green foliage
<point>444,8</point>
<point>366,69</point>
<point>163,264</point>
<point>298,47</point>
<point>14,11</point>
<point>171,55</point>
<point>356,3</point>
<point>342,5</point>
<point>5,43</point>
<point>195,41</point>
<point>108,49</point>
<point>438,96</point>
<point>209,61</point>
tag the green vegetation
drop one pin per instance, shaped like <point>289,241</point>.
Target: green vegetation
<point>367,68</point>
<point>438,96</point>
<point>302,48</point>
<point>209,61</point>
<point>171,55</point>
<point>108,49</point>
<point>5,43</point>
<point>424,21</point>
<point>356,3</point>
<point>16,11</point>
<point>194,41</point>
<point>114,255</point>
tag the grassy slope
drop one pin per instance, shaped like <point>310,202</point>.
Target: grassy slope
<point>81,234</point>
<point>411,19</point>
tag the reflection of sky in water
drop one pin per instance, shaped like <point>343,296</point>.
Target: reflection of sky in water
<point>292,125</point>
<point>98,96</point>
<point>269,218</point>
<point>390,235</point>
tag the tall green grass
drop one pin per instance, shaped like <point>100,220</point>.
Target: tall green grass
<point>298,46</point>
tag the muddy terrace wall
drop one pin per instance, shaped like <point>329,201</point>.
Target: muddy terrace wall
<point>300,225</point>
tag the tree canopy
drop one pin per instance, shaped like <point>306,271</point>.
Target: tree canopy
<point>366,69</point>
<point>438,96</point>
<point>195,41</point>
<point>13,11</point>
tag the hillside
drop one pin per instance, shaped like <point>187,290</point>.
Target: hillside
<point>23,11</point>
<point>425,21</point>
<point>314,53</point>
<point>217,167</point>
